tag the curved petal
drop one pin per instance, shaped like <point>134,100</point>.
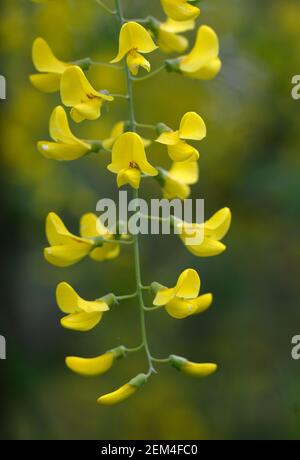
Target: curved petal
<point>207,248</point>
<point>81,321</point>
<point>91,226</point>
<point>68,254</point>
<point>188,284</point>
<point>90,367</point>
<point>199,370</point>
<point>205,50</point>
<point>164,296</point>
<point>90,110</point>
<point>174,188</point>
<point>179,308</point>
<point>60,130</point>
<point>177,26</point>
<point>192,127</point>
<point>75,87</point>
<point>56,231</point>
<point>201,303</point>
<point>44,59</point>
<point>62,152</point>
<point>106,252</point>
<point>186,172</point>
<point>169,138</point>
<point>183,152</point>
<point>130,176</point>
<point>135,61</point>
<point>170,42</point>
<point>208,72</point>
<point>134,36</point>
<point>180,10</point>
<point>218,225</point>
<point>46,82</point>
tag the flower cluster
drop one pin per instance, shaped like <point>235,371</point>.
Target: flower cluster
<point>129,162</point>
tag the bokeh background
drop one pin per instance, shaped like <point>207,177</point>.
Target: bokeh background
<point>250,161</point>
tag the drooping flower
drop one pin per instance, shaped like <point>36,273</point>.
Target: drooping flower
<point>91,227</point>
<point>82,315</point>
<point>203,62</point>
<point>168,35</point>
<point>183,300</point>
<point>65,248</point>
<point>123,392</point>
<point>176,182</point>
<point>77,92</point>
<point>180,10</point>
<point>91,367</point>
<point>192,127</point>
<point>199,370</point>
<point>134,39</point>
<point>204,240</point>
<point>50,67</point>
<point>129,160</point>
<point>66,146</point>
<point>118,129</point>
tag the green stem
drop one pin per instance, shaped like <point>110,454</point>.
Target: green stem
<point>146,126</point>
<point>150,75</point>
<point>105,7</point>
<point>127,296</point>
<point>137,264</point>
<point>106,64</point>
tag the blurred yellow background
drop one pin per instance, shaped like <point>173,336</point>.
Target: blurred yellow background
<point>250,162</point>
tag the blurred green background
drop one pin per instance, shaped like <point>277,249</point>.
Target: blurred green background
<point>250,162</point>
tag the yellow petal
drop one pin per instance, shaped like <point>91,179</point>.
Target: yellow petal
<point>56,231</point>
<point>70,302</point>
<point>90,110</point>
<point>185,171</point>
<point>117,396</point>
<point>164,296</point>
<point>180,10</point>
<point>207,248</point>
<point>81,321</point>
<point>208,72</point>
<point>188,284</point>
<point>205,50</point>
<point>68,254</point>
<point>44,59</point>
<point>135,61</point>
<point>192,127</point>
<point>179,308</point>
<point>134,36</point>
<point>174,188</point>
<point>201,303</point>
<point>106,252</point>
<point>169,42</point>
<point>130,176</point>
<point>117,130</point>
<point>61,152</point>
<point>60,130</point>
<point>199,370</point>
<point>218,225</point>
<point>91,226</point>
<point>169,138</point>
<point>46,82</point>
<point>183,152</point>
<point>75,87</point>
<point>177,26</point>
<point>90,366</point>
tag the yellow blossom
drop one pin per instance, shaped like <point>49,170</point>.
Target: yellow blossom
<point>203,61</point>
<point>180,10</point>
<point>183,300</point>
<point>192,127</point>
<point>129,160</point>
<point>118,129</point>
<point>77,92</point>
<point>82,315</point>
<point>213,231</point>
<point>65,248</point>
<point>199,370</point>
<point>176,182</point>
<point>123,392</point>
<point>133,40</point>
<point>91,367</point>
<point>168,38</point>
<point>66,145</point>
<point>50,67</point>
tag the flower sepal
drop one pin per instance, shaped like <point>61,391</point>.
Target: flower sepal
<point>96,146</point>
<point>155,287</point>
<point>162,128</point>
<point>110,299</point>
<point>173,65</point>
<point>119,352</point>
<point>177,361</point>
<point>84,63</point>
<point>138,381</point>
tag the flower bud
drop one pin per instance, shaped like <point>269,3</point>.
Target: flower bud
<point>190,368</point>
<point>123,392</point>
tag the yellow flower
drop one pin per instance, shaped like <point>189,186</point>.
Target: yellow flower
<point>129,160</point>
<point>118,129</point>
<point>183,300</point>
<point>202,62</point>
<point>91,227</point>
<point>77,92</point>
<point>65,248</point>
<point>213,232</point>
<point>176,182</point>
<point>192,127</point>
<point>134,39</point>
<point>180,10</point>
<point>91,367</point>
<point>66,145</point>
<point>123,392</point>
<point>45,61</point>
<point>168,38</point>
<point>193,369</point>
<point>82,315</point>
